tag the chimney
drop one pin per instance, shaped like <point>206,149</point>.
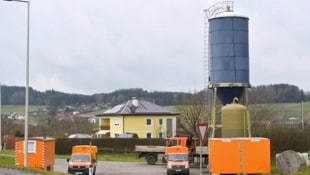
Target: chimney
<point>135,102</point>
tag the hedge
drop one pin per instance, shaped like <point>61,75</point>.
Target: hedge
<point>64,145</point>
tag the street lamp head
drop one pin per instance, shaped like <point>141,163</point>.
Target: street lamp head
<point>18,1</point>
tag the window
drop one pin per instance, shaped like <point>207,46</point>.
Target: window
<point>80,158</point>
<point>160,121</point>
<point>148,122</point>
<point>116,122</point>
<point>148,135</point>
<point>32,146</point>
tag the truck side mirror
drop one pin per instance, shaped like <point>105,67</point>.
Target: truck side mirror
<point>68,160</point>
<point>94,160</point>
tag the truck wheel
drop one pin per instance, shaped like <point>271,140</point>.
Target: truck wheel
<point>151,159</point>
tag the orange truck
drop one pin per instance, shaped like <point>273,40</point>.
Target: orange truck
<point>151,153</point>
<point>177,160</point>
<point>83,160</point>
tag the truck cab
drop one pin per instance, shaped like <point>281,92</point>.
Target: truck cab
<point>177,160</point>
<point>83,160</point>
<point>188,142</point>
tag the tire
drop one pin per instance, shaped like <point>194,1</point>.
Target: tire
<point>151,159</point>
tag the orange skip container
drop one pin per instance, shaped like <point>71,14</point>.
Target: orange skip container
<point>239,155</point>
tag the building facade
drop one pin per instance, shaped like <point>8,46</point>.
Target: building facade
<point>137,117</point>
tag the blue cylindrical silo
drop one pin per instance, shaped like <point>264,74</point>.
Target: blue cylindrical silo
<point>229,55</point>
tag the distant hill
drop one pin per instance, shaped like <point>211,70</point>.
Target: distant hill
<point>14,95</point>
<point>277,93</point>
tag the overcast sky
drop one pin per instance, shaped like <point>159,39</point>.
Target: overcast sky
<point>99,46</point>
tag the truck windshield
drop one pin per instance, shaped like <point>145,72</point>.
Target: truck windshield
<point>177,157</point>
<point>80,158</point>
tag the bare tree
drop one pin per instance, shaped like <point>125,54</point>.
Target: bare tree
<point>192,112</point>
<point>261,115</point>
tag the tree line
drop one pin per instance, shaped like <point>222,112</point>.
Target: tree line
<point>15,95</point>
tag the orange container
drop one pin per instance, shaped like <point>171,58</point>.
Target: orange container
<point>239,155</point>
<point>224,155</point>
<point>41,153</point>
<point>255,155</point>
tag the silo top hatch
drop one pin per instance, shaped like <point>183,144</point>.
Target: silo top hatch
<point>221,10</point>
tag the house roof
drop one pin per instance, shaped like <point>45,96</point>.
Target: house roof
<point>137,107</point>
<point>79,135</point>
<point>38,138</point>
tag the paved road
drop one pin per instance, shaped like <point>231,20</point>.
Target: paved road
<point>5,171</point>
<point>109,168</point>
<point>123,168</point>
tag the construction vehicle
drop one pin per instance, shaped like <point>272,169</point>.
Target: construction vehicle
<point>83,160</point>
<point>177,158</point>
<point>152,153</point>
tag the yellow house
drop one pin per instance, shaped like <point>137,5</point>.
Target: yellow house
<point>140,117</point>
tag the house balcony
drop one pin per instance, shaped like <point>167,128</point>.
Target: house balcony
<point>105,127</point>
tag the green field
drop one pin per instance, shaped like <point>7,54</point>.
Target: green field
<point>9,109</point>
<point>292,110</point>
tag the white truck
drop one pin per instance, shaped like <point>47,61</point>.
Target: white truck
<point>150,153</point>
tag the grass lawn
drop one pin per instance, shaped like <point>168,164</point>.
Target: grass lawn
<point>291,110</point>
<point>6,161</point>
<point>130,157</point>
<point>100,111</point>
<point>9,109</point>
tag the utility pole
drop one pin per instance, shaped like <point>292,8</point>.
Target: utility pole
<point>27,82</point>
<point>302,116</point>
<point>0,118</point>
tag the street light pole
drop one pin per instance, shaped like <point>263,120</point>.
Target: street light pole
<point>0,118</point>
<point>27,84</point>
<point>302,116</point>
